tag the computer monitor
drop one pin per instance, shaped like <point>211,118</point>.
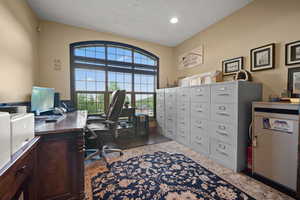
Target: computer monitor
<point>42,99</point>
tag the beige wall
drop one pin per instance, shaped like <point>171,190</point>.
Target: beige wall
<point>259,23</point>
<point>18,50</point>
<point>54,43</point>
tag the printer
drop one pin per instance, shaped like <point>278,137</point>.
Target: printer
<point>22,130</point>
<point>16,131</point>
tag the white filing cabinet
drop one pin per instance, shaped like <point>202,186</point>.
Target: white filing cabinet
<point>160,110</point>
<point>5,147</point>
<point>212,119</point>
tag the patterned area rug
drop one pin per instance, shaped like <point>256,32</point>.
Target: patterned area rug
<point>162,176</point>
<point>244,183</point>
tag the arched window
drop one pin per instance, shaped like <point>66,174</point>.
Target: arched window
<point>100,67</point>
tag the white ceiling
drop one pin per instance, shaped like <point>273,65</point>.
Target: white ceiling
<point>140,19</point>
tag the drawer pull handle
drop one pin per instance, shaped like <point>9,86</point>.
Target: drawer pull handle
<point>222,133</point>
<point>199,95</point>
<point>223,94</point>
<point>222,127</point>
<point>199,143</point>
<point>21,170</point>
<point>223,114</point>
<point>222,153</point>
<point>222,108</point>
<point>200,111</point>
<point>221,146</point>
<point>200,127</point>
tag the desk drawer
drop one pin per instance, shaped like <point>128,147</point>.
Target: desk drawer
<point>200,110</point>
<point>200,94</point>
<point>223,113</point>
<point>16,176</point>
<point>223,93</point>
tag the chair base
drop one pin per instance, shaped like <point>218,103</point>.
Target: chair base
<point>103,153</point>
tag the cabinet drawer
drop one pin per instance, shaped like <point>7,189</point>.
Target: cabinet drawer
<point>182,121</point>
<point>223,93</point>
<point>183,108</point>
<point>200,110</point>
<point>170,108</point>
<point>160,120</point>
<point>223,153</point>
<point>16,176</point>
<point>160,107</point>
<point>223,132</point>
<point>170,133</point>
<point>160,95</point>
<point>170,96</point>
<point>200,143</point>
<point>183,135</point>
<point>199,126</point>
<point>223,113</point>
<point>183,94</point>
<point>200,94</point>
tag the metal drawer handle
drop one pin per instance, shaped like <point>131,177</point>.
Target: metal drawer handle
<point>223,114</point>
<point>222,127</point>
<point>224,94</point>
<point>200,111</point>
<point>222,108</point>
<point>222,133</point>
<point>222,153</point>
<point>199,127</point>
<point>21,170</point>
<point>199,95</point>
<point>222,146</point>
<point>182,123</point>
<point>170,119</point>
<point>200,143</point>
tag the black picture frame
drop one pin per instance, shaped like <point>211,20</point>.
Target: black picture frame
<point>292,53</point>
<point>267,63</point>
<point>290,86</point>
<point>225,64</point>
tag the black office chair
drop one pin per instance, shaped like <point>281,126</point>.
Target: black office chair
<point>106,127</point>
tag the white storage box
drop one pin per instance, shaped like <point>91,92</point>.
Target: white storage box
<point>5,146</point>
<point>22,130</point>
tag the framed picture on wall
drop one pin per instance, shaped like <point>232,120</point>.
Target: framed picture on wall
<point>231,66</point>
<point>292,53</point>
<point>294,82</point>
<point>263,58</point>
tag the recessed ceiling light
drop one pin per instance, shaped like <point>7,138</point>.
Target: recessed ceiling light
<point>173,20</point>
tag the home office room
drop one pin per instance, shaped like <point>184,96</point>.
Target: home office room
<point>162,99</point>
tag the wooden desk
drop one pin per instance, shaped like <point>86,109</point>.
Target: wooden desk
<point>60,158</point>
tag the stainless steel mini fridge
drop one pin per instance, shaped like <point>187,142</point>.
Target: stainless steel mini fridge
<point>275,142</point>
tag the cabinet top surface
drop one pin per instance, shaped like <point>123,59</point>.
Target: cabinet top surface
<point>212,84</point>
<point>74,122</point>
